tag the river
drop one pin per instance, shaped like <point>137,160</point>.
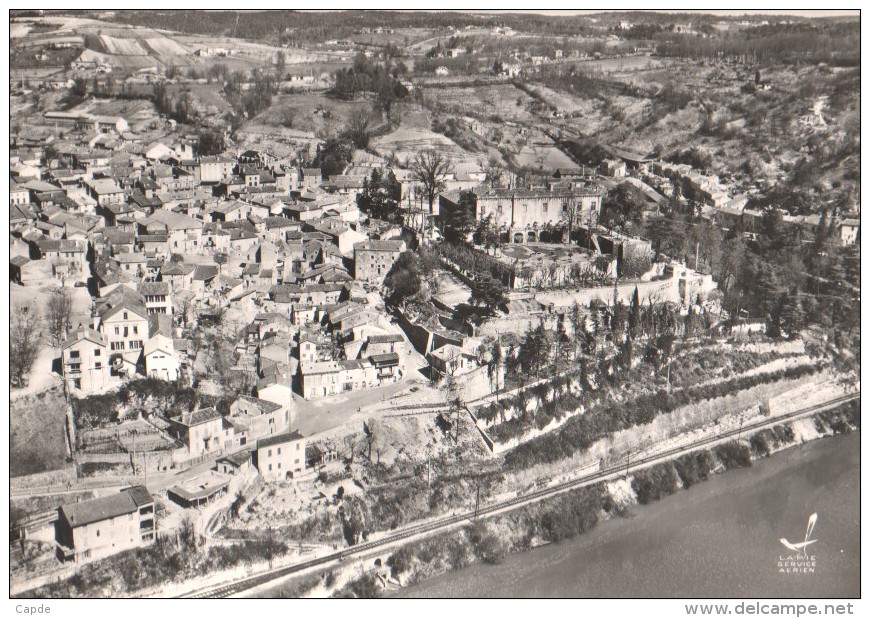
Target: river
<point>717,539</point>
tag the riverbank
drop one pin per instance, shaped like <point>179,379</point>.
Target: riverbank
<point>431,567</point>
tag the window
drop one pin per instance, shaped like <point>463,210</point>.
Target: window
<point>73,353</point>
<point>98,534</point>
<point>279,465</point>
<point>117,330</point>
<point>546,206</point>
<point>135,330</point>
<point>125,315</point>
<point>98,365</point>
<point>279,450</point>
<point>270,467</point>
<point>298,445</point>
<point>96,351</point>
<point>270,452</point>
<point>296,461</point>
<point>126,330</point>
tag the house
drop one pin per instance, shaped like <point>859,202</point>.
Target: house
<point>85,361</point>
<point>24,270</point>
<point>235,464</point>
<point>178,275</point>
<point>202,431</point>
<point>613,167</point>
<point>123,322</point>
<point>18,195</point>
<point>100,527</point>
<point>110,124</point>
<point>67,257</point>
<point>213,170</point>
<point>132,263</point>
<point>850,231</point>
<point>527,215</point>
<point>280,456</point>
<point>105,191</point>
<point>184,234</point>
<point>311,177</point>
<point>340,232</point>
<point>373,259</point>
<point>199,490</point>
<point>157,296</point>
<point>260,417</point>
<point>325,378</point>
<point>161,361</point>
<point>451,360</point>
<point>277,389</point>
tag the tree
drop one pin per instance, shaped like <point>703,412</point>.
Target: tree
<point>534,350</point>
<point>280,65</point>
<point>623,205</point>
<point>288,117</point>
<point>58,314</point>
<point>494,366</point>
<point>668,238</point>
<point>634,315</point>
<point>210,142</point>
<point>430,168</point>
<point>792,316</point>
<point>495,174</point>
<point>23,343</point>
<point>487,292</point>
<point>403,281</point>
<point>357,128</point>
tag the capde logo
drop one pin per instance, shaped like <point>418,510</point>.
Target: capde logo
<point>800,561</point>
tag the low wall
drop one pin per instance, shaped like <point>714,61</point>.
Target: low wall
<point>41,479</point>
<point>656,291</point>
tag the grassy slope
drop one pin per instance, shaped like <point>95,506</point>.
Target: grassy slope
<point>36,439</point>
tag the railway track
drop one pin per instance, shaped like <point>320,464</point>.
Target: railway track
<point>533,496</point>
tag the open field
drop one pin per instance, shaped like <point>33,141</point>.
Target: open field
<point>406,143</point>
<point>123,47</point>
<point>312,112</point>
<point>36,438</point>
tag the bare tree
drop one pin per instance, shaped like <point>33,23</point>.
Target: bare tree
<point>357,128</point>
<point>430,168</point>
<point>58,315</point>
<point>495,174</point>
<point>23,342</point>
<point>351,441</point>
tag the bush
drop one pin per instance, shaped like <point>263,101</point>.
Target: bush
<point>654,483</point>
<point>400,561</point>
<point>733,455</point>
<point>759,444</point>
<point>366,587</point>
<point>693,468</point>
<point>487,545</point>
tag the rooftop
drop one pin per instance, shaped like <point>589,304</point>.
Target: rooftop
<point>100,509</point>
<point>281,438</point>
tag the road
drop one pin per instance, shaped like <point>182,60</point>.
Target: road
<point>455,521</point>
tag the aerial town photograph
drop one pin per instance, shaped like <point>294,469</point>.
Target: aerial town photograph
<point>433,304</point>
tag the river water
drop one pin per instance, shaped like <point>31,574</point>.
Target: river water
<point>717,539</point>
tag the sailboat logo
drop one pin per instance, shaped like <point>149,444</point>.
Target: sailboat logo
<point>801,548</point>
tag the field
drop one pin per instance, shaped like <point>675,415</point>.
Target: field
<point>406,143</point>
<point>124,47</point>
<point>312,112</point>
<point>504,101</point>
<point>163,46</point>
<point>549,157</point>
<point>36,439</point>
